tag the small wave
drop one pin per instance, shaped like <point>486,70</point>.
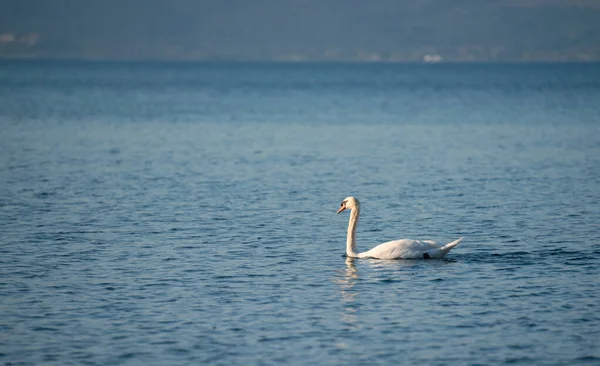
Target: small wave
<point>560,252</point>
<point>521,360</point>
<point>591,359</point>
<point>389,280</point>
<point>44,329</point>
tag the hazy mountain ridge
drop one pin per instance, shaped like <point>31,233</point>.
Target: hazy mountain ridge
<point>386,30</point>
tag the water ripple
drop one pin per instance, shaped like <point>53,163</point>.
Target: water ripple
<point>199,226</point>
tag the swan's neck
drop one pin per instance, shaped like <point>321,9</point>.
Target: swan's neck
<point>351,238</point>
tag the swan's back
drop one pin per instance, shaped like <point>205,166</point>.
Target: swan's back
<point>408,249</point>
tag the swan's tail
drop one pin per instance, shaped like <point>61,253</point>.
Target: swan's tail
<point>446,248</point>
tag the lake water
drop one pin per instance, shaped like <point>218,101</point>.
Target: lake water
<point>179,214</point>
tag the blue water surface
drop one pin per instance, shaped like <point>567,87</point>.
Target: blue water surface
<point>181,213</point>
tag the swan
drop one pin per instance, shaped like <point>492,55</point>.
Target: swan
<point>395,249</point>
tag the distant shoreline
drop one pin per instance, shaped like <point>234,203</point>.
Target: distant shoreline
<point>284,62</point>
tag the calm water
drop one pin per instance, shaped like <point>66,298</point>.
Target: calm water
<point>155,214</point>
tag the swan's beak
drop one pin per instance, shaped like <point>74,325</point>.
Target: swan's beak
<point>341,209</point>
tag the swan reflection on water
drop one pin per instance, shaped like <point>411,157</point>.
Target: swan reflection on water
<point>379,271</point>
<point>347,280</point>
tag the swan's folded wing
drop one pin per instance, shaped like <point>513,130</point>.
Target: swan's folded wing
<point>403,248</point>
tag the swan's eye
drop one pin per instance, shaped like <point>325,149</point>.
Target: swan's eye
<point>341,204</point>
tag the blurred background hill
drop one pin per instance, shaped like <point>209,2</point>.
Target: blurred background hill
<point>302,30</point>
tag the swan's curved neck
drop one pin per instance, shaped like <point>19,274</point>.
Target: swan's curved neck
<point>351,238</point>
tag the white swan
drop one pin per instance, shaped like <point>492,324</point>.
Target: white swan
<point>396,249</point>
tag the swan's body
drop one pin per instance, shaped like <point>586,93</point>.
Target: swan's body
<point>396,249</point>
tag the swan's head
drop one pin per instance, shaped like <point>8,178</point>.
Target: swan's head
<point>349,203</point>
